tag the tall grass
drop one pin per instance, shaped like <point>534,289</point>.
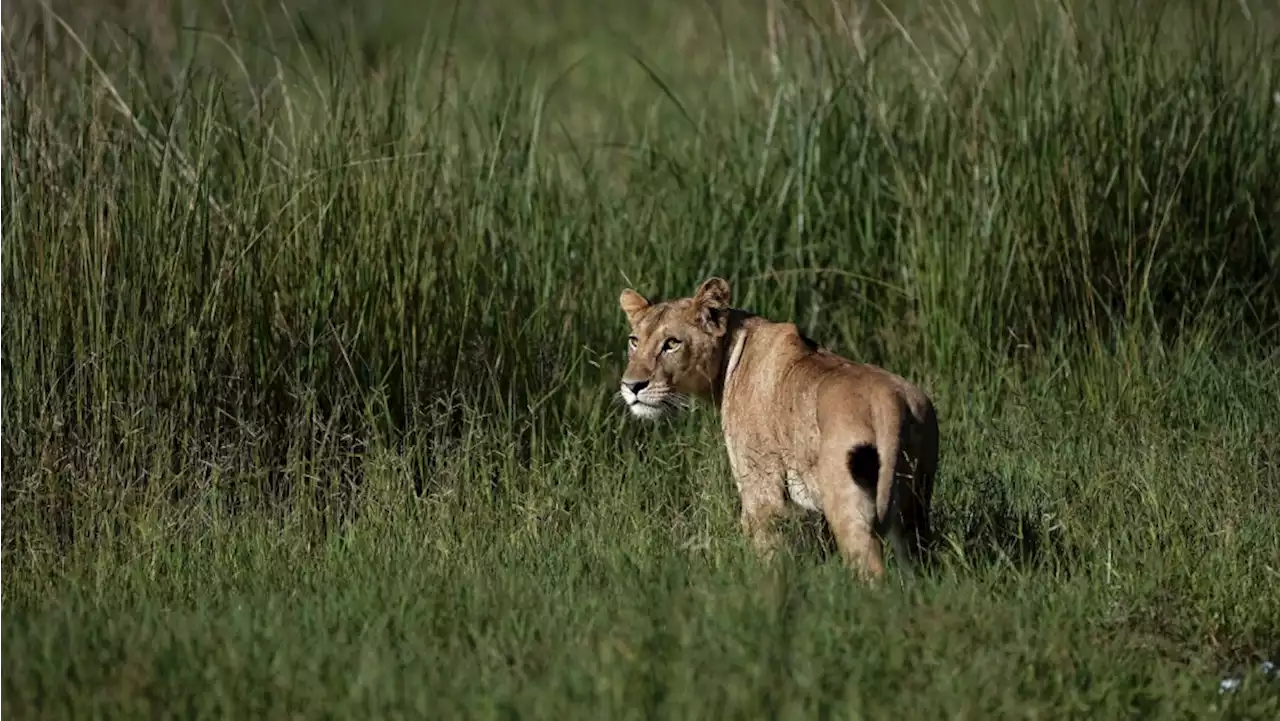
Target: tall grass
<point>310,337</point>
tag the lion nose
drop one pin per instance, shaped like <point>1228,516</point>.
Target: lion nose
<point>636,386</point>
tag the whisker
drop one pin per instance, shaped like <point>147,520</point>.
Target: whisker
<point>676,401</point>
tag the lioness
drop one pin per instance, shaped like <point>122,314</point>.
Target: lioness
<point>852,441</point>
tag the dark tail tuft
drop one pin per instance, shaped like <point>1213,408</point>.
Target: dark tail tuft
<point>864,465</point>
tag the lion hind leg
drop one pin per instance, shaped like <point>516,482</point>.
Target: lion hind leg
<point>880,500</point>
<point>895,513</point>
<point>850,508</point>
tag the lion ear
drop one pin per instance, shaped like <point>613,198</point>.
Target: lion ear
<point>713,294</point>
<point>632,302</point>
<point>711,303</point>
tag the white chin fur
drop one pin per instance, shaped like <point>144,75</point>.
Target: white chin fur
<point>646,412</point>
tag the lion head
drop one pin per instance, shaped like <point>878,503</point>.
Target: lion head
<point>675,349</point>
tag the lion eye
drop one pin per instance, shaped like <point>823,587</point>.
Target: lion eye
<point>670,344</point>
<point>632,342</point>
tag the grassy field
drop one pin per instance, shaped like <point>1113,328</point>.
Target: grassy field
<point>310,333</point>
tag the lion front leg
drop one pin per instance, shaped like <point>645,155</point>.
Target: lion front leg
<point>761,495</point>
<point>762,507</point>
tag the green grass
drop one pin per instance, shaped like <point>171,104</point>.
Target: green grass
<point>310,333</point>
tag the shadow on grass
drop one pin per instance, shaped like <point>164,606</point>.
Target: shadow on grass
<point>986,527</point>
<point>990,526</point>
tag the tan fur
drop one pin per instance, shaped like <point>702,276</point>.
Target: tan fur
<point>855,442</point>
